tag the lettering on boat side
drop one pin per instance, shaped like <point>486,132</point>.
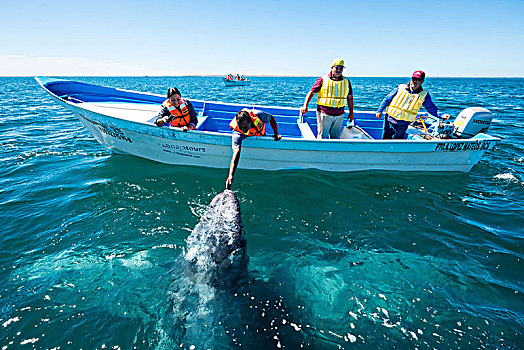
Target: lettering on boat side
<point>187,151</point>
<point>464,146</point>
<point>114,132</point>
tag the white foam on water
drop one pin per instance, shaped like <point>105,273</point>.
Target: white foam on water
<point>506,177</point>
<point>11,320</point>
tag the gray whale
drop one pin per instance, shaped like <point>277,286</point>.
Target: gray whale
<point>202,296</point>
<point>218,239</point>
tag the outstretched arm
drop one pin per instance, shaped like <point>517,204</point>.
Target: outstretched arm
<point>233,167</point>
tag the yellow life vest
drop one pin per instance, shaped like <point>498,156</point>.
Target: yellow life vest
<point>405,105</point>
<point>333,93</point>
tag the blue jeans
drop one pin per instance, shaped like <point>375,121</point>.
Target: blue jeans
<point>394,129</point>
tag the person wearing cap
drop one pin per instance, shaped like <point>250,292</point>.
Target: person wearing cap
<point>177,111</point>
<point>334,93</point>
<point>402,105</point>
<point>245,124</point>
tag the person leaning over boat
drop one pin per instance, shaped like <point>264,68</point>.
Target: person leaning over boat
<point>245,124</point>
<point>334,92</point>
<point>402,105</point>
<point>177,111</point>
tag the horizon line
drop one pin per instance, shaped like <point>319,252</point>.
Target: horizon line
<point>253,75</point>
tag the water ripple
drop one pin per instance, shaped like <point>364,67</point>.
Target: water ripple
<point>90,240</point>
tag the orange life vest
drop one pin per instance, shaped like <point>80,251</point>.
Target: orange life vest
<point>180,115</point>
<point>258,128</point>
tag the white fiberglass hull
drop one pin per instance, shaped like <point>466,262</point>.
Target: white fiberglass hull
<point>210,149</point>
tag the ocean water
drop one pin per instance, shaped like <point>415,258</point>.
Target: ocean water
<point>91,242</point>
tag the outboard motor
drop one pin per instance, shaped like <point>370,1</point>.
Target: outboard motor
<point>444,129</point>
<point>471,121</point>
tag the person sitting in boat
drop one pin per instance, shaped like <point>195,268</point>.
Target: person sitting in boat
<point>334,93</point>
<point>177,111</point>
<point>245,124</point>
<point>402,105</point>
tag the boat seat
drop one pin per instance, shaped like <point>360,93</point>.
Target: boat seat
<point>201,120</point>
<point>375,133</point>
<point>305,130</point>
<point>152,120</point>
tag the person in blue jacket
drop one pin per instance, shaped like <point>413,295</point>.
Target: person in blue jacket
<point>402,105</point>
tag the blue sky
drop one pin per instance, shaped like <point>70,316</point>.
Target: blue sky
<point>376,38</point>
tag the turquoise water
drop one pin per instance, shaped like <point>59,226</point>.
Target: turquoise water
<point>91,242</point>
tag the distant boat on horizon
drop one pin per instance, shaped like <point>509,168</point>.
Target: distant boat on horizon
<point>233,82</point>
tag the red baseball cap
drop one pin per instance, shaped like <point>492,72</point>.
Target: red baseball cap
<point>419,74</point>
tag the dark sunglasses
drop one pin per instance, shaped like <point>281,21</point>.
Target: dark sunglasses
<point>416,79</point>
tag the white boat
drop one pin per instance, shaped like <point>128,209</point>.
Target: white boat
<point>233,82</point>
<point>123,121</point>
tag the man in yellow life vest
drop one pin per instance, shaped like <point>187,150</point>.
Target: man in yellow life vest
<point>402,105</point>
<point>245,124</point>
<point>334,93</point>
<point>177,111</point>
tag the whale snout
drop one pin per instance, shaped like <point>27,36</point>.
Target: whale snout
<point>227,201</point>
<point>218,238</point>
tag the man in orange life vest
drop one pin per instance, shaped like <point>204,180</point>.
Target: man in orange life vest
<point>334,93</point>
<point>402,105</point>
<point>177,111</point>
<point>245,124</point>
